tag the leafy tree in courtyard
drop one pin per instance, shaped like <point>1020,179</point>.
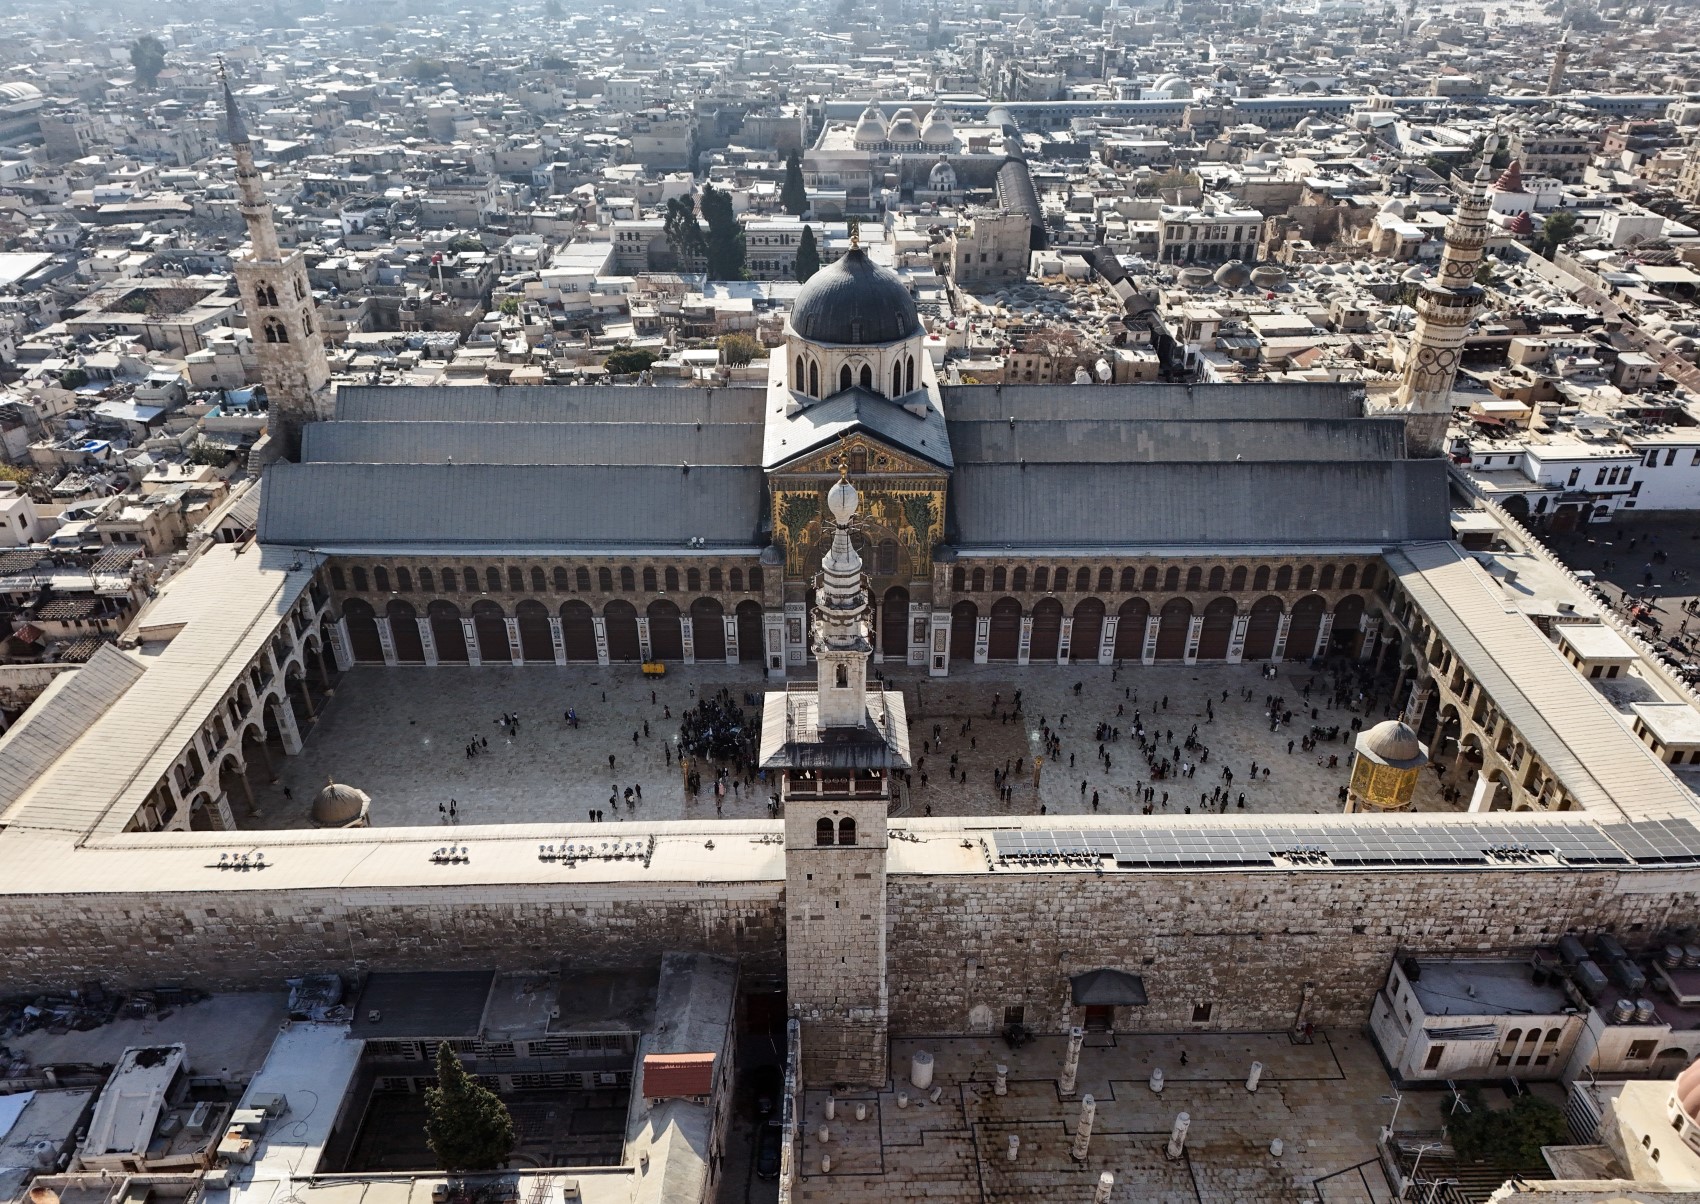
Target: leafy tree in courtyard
<point>629,361</point>
<point>147,56</point>
<point>737,349</point>
<point>1557,230</point>
<point>683,231</point>
<point>794,197</point>
<point>427,71</point>
<point>725,235</point>
<point>1506,1137</point>
<point>466,1126</point>
<point>808,255</point>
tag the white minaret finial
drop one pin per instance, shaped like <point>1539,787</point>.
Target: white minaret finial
<point>841,643</point>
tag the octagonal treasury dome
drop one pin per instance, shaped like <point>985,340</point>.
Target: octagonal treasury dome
<point>1392,743</point>
<point>855,301</point>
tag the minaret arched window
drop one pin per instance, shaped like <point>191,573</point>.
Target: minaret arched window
<point>846,831</point>
<point>266,295</point>
<point>814,379</point>
<point>841,678</point>
<point>823,830</point>
<point>867,377</point>
<point>845,380</point>
<point>276,332</point>
<point>797,380</point>
<point>897,380</point>
<point>909,387</point>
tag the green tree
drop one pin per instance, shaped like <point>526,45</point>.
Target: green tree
<point>466,1126</point>
<point>725,235</point>
<point>737,349</point>
<point>683,231</point>
<point>794,197</point>
<point>509,306</point>
<point>1559,227</point>
<point>427,71</point>
<point>147,56</point>
<point>808,255</point>
<point>1484,274</point>
<point>627,361</point>
<point>1506,1137</point>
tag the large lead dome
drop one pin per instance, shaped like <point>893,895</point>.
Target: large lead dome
<point>855,301</point>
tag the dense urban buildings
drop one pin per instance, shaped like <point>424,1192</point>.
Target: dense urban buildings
<point>1154,544</point>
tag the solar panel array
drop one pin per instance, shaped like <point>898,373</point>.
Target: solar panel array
<point>1481,843</point>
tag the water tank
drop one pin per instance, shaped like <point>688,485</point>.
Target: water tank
<point>1644,1011</point>
<point>1197,278</point>
<point>1570,949</point>
<point>1609,949</point>
<point>1268,276</point>
<point>1672,957</point>
<point>1623,1011</point>
<point>46,1154</point>
<point>1590,979</point>
<point>1691,955</point>
<point>1627,975</point>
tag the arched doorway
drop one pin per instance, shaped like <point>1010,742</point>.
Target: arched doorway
<point>536,640</point>
<point>362,623</point>
<point>1130,629</point>
<point>1305,627</point>
<point>1172,627</point>
<point>894,625</point>
<point>1217,630</point>
<point>1004,639</point>
<point>666,632</point>
<point>578,631</point>
<point>708,629</point>
<point>1262,628</point>
<point>620,618</point>
<point>1088,631</point>
<point>446,632</point>
<point>963,618</point>
<point>1348,618</point>
<point>1047,631</point>
<point>748,614</point>
<point>491,630</point>
<point>404,632</point>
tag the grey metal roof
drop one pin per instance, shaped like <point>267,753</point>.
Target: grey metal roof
<point>823,422</point>
<point>1323,399</point>
<point>475,442</point>
<point>1098,505</point>
<point>1099,988</point>
<point>1148,441</point>
<point>1566,722</point>
<point>69,706</point>
<point>326,505</point>
<point>547,403</point>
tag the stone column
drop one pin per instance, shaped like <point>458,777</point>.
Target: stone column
<point>1420,696</point>
<point>1106,1183</point>
<point>1368,629</point>
<point>1148,650</point>
<point>1482,797</point>
<point>516,650</point>
<point>1065,643</point>
<point>386,640</point>
<point>428,641</point>
<point>774,654</point>
<point>1071,1060</point>
<point>926,645</point>
<point>220,814</point>
<point>600,625</point>
<point>688,638</point>
<point>1323,634</point>
<point>469,633</point>
<point>254,811</point>
<point>1083,1128</point>
<point>796,633</point>
<point>982,639</point>
<point>557,641</point>
<point>1177,1135</point>
<point>324,671</point>
<point>1107,642</point>
<point>306,698</point>
<point>644,651</point>
<point>290,734</point>
<point>1236,641</point>
<point>1194,628</point>
<point>339,645</point>
<point>1280,649</point>
<point>730,623</point>
<point>938,634</point>
<point>1023,654</point>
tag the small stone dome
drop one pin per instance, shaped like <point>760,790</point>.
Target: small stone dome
<point>871,127</point>
<point>339,806</point>
<point>855,301</point>
<point>842,500</point>
<point>1233,274</point>
<point>903,127</point>
<point>942,178</point>
<point>1392,743</point>
<point>937,130</point>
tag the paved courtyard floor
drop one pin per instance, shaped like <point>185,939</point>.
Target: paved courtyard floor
<point>400,734</point>
<point>1326,1102</point>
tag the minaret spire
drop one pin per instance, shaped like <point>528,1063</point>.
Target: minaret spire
<point>1445,308</point>
<point>841,644</point>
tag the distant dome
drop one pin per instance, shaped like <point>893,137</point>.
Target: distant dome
<point>1392,743</point>
<point>13,93</point>
<point>339,806</point>
<point>855,301</point>
<point>903,127</point>
<point>1521,224</point>
<point>1233,274</point>
<point>871,127</point>
<point>1394,207</point>
<point>942,178</point>
<point>938,131</point>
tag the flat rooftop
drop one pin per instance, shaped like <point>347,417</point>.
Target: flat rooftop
<point>1468,987</point>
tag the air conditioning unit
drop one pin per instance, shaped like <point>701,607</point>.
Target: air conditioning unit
<point>217,1179</point>
<point>439,1193</point>
<point>569,1191</point>
<point>200,1119</point>
<point>607,1078</point>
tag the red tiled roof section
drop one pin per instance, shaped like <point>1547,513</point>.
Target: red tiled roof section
<point>669,1076</point>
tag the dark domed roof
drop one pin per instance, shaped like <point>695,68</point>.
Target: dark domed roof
<point>855,301</point>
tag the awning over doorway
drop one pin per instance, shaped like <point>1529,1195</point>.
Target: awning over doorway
<point>1108,988</point>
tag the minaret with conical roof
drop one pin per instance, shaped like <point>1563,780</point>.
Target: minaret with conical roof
<point>1445,308</point>
<point>279,304</point>
<point>1560,59</point>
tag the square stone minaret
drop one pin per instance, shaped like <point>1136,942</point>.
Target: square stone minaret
<point>834,744</point>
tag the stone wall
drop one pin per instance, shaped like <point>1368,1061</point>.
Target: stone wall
<point>1243,943</point>
<point>252,939</point>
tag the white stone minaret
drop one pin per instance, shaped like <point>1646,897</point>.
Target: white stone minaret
<point>279,303</point>
<point>1445,308</point>
<point>1560,59</point>
<point>841,643</point>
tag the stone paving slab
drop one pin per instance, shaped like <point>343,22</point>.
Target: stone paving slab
<point>1326,1100</point>
<point>400,734</point>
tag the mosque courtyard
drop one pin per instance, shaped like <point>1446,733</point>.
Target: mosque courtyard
<point>401,735</point>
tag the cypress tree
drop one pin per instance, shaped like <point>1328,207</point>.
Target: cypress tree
<point>808,255</point>
<point>794,198</point>
<point>466,1126</point>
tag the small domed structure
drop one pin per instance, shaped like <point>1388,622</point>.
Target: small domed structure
<point>870,129</point>
<point>855,301</point>
<point>905,131</point>
<point>340,806</point>
<point>1522,225</point>
<point>1384,774</point>
<point>937,131</point>
<point>942,178</point>
<point>1233,274</point>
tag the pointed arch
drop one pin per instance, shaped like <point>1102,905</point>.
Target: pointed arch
<point>909,386</point>
<point>845,377</point>
<point>814,379</point>
<point>867,378</point>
